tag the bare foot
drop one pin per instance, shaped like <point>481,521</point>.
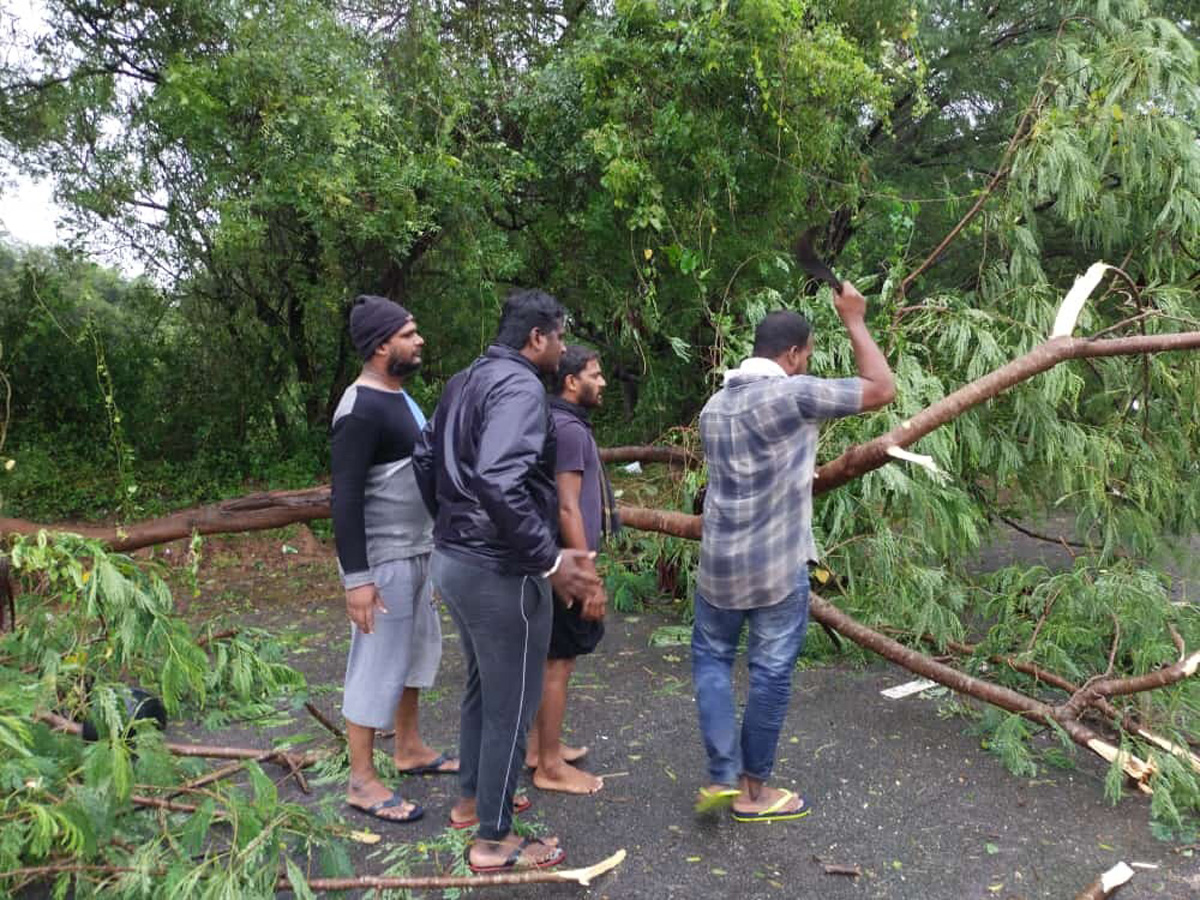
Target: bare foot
<point>568,754</point>
<point>767,796</point>
<point>566,778</point>
<point>464,814</point>
<point>535,852</point>
<point>371,794</point>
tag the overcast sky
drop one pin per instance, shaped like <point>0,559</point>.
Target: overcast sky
<point>27,210</point>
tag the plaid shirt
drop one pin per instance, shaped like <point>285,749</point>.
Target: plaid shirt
<point>760,440</point>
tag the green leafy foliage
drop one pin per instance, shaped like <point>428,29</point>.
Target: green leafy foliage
<point>91,624</point>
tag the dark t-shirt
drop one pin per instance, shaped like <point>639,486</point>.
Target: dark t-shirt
<point>577,453</point>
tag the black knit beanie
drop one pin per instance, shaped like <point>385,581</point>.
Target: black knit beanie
<point>373,320</point>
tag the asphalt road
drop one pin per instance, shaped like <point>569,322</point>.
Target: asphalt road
<point>901,789</point>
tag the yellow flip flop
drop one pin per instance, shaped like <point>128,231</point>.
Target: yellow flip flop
<point>715,801</point>
<point>776,812</point>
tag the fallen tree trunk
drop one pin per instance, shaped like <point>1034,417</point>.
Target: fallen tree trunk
<point>274,509</point>
<point>675,456</point>
<point>864,458</point>
<point>254,512</point>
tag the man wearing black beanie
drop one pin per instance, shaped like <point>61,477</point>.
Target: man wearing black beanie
<point>384,538</point>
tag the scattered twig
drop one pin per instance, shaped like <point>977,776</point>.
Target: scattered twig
<point>292,761</point>
<point>1112,653</point>
<point>1037,629</point>
<point>324,720</point>
<point>1177,639</point>
<point>160,803</point>
<point>1049,539</point>
<point>216,636</point>
<point>853,871</point>
<point>218,774</point>
<point>436,882</point>
<point>1132,320</point>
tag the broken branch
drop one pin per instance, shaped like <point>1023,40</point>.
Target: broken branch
<point>436,882</point>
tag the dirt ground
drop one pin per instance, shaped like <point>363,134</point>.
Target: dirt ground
<point>902,789</point>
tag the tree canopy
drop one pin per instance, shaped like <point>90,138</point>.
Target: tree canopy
<point>651,163</point>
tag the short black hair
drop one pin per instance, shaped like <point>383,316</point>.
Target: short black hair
<point>525,310</point>
<point>574,360</point>
<point>779,332</point>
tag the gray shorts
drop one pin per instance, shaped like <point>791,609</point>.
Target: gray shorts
<point>403,651</point>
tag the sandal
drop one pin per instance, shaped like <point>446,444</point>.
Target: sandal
<point>390,803</point>
<point>714,801</point>
<point>514,859</point>
<point>776,812</point>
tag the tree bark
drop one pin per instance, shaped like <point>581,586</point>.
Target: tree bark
<point>676,456</point>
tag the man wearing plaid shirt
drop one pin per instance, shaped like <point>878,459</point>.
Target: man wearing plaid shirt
<point>759,434</point>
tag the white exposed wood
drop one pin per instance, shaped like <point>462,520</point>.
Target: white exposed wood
<point>917,459</point>
<point>1115,877</point>
<point>1072,305</point>
<point>585,876</point>
<point>1137,769</point>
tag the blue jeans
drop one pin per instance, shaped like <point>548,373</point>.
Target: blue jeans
<point>776,639</point>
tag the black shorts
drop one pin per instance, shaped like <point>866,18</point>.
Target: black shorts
<point>571,635</point>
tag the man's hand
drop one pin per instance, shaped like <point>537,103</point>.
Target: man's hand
<point>850,304</point>
<point>594,606</point>
<point>576,578</point>
<point>361,603</point>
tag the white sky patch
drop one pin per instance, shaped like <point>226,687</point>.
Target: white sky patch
<point>28,213</point>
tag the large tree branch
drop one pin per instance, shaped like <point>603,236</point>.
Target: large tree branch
<point>278,508</point>
<point>864,458</point>
<point>254,512</point>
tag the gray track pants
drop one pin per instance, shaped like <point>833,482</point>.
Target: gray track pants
<point>504,622</point>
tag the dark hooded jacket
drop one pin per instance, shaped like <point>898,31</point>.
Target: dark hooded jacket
<point>485,467</point>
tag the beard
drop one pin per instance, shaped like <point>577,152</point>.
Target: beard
<point>402,368</point>
<point>590,397</point>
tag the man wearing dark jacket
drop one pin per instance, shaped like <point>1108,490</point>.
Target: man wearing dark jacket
<point>485,467</point>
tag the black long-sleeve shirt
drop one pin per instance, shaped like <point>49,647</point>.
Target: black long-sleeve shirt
<point>378,514</point>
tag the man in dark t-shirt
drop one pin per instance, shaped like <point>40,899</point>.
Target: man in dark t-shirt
<point>585,518</point>
<point>384,540</point>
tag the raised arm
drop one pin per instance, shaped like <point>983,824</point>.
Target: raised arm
<point>879,385</point>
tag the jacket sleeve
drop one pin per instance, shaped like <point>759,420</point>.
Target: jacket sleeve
<point>511,441</point>
<point>424,463</point>
<point>352,448</point>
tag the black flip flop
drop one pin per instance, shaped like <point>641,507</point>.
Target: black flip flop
<point>432,768</point>
<point>513,862</point>
<point>390,803</point>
